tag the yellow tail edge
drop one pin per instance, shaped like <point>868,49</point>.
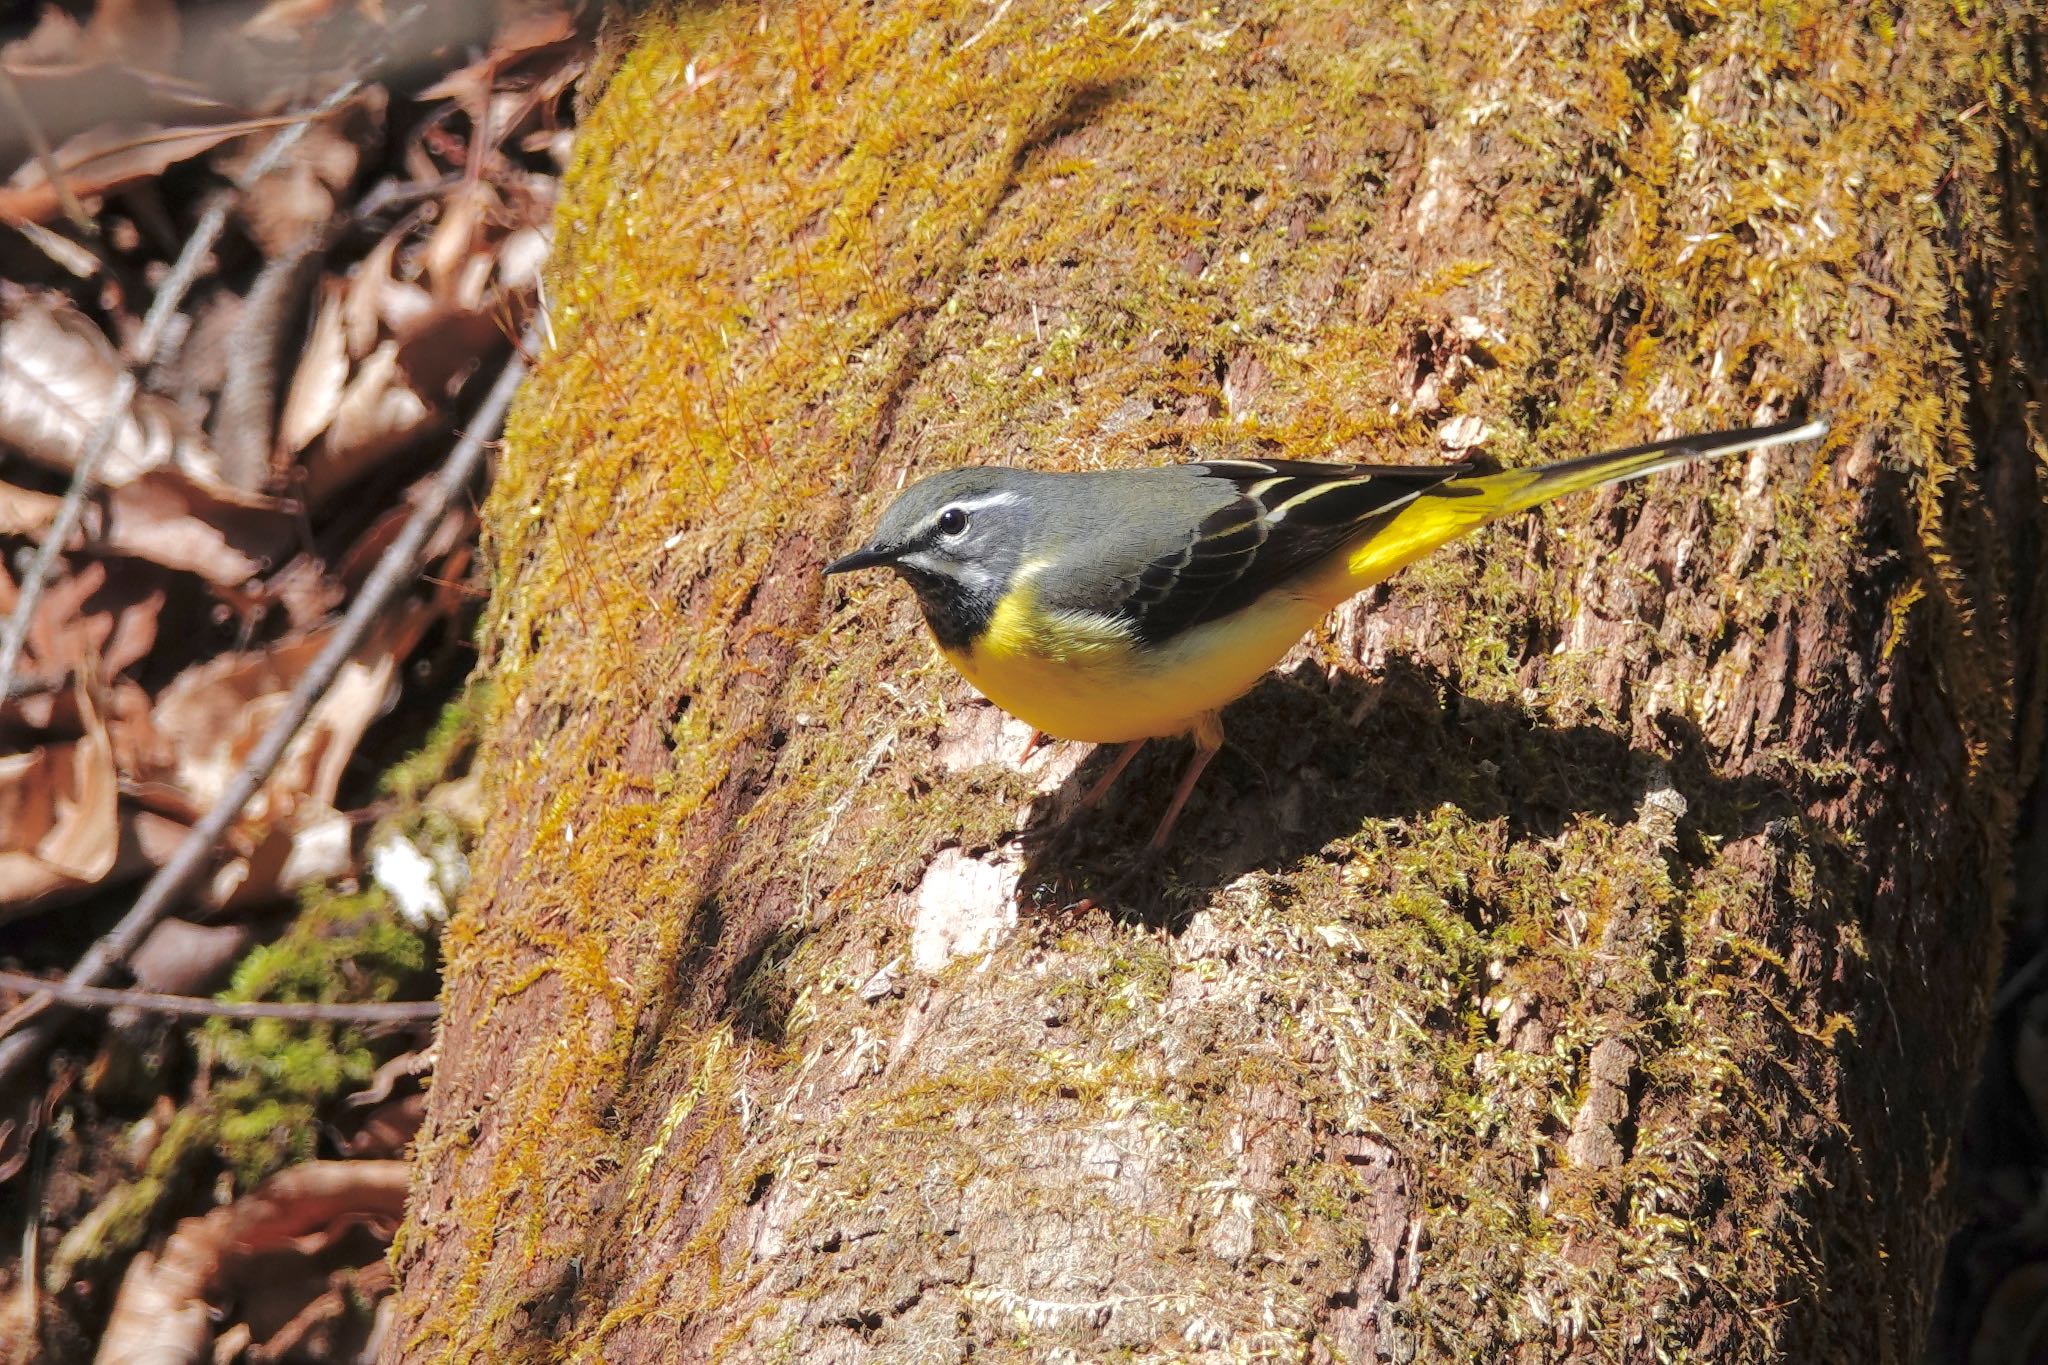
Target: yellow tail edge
<point>1462,505</point>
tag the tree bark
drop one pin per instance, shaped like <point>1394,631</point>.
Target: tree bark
<point>1582,951</point>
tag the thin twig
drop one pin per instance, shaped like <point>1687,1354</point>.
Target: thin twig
<point>394,570</point>
<point>201,1007</point>
<point>171,297</point>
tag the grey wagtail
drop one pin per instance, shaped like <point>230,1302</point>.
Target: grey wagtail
<point>1123,605</point>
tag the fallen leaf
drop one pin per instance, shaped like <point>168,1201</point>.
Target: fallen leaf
<point>60,249</point>
<point>454,238</point>
<point>368,282</point>
<point>453,532</point>
<point>180,957</point>
<point>317,844</point>
<point>444,348</point>
<point>300,197</point>
<point>289,834</point>
<point>112,156</point>
<point>142,33</point>
<point>60,805</point>
<point>522,39</point>
<point>307,591</point>
<point>56,40</point>
<point>87,624</point>
<point>285,20</point>
<point>317,383</point>
<point>170,519</point>
<point>58,641</point>
<point>520,258</point>
<point>163,1309</point>
<point>58,378</point>
<point>378,415</point>
<point>26,513</point>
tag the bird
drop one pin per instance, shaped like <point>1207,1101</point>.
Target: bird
<point>1117,606</point>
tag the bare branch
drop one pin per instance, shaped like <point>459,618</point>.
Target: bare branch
<point>200,1007</point>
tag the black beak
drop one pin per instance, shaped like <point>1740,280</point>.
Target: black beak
<point>865,558</point>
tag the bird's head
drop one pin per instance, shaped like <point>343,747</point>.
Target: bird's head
<point>957,539</point>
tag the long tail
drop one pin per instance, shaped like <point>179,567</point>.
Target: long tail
<point>1457,506</point>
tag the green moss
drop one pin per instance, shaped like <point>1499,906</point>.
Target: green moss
<point>280,1072</point>
<point>127,1215</point>
<point>445,749</point>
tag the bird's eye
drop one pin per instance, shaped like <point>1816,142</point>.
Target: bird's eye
<point>952,521</point>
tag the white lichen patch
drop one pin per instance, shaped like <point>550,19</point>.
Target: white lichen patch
<point>979,734</point>
<point>964,907</point>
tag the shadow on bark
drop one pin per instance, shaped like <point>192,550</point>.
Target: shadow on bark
<point>1314,758</point>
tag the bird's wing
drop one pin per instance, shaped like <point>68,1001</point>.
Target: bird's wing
<point>1281,516</point>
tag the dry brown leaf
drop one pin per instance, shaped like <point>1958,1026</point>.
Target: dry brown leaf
<point>111,156</point>
<point>378,298</point>
<point>444,547</point>
<point>97,621</point>
<point>317,383</point>
<point>59,639</point>
<point>161,1313</point>
<point>366,282</point>
<point>26,513</point>
<point>523,39</point>
<point>142,33</point>
<point>402,306</point>
<point>57,381</point>
<point>214,712</point>
<point>60,249</point>
<point>60,805</point>
<point>302,196</point>
<point>223,536</point>
<point>474,281</point>
<point>378,415</point>
<point>133,609</point>
<point>446,347</point>
<point>283,20</point>
<point>180,957</point>
<point>57,40</point>
<point>140,754</point>
<point>316,845</point>
<point>454,239</point>
<point>307,591</point>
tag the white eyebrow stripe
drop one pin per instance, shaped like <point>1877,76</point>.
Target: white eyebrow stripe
<point>1001,497</point>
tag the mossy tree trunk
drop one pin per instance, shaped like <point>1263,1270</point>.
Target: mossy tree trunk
<point>1585,950</point>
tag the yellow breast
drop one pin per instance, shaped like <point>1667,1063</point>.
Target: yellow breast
<point>1076,677</point>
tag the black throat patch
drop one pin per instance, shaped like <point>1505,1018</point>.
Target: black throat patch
<point>957,614</point>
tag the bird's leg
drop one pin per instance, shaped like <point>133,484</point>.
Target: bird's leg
<point>1039,739</point>
<point>1208,737</point>
<point>1107,780</point>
